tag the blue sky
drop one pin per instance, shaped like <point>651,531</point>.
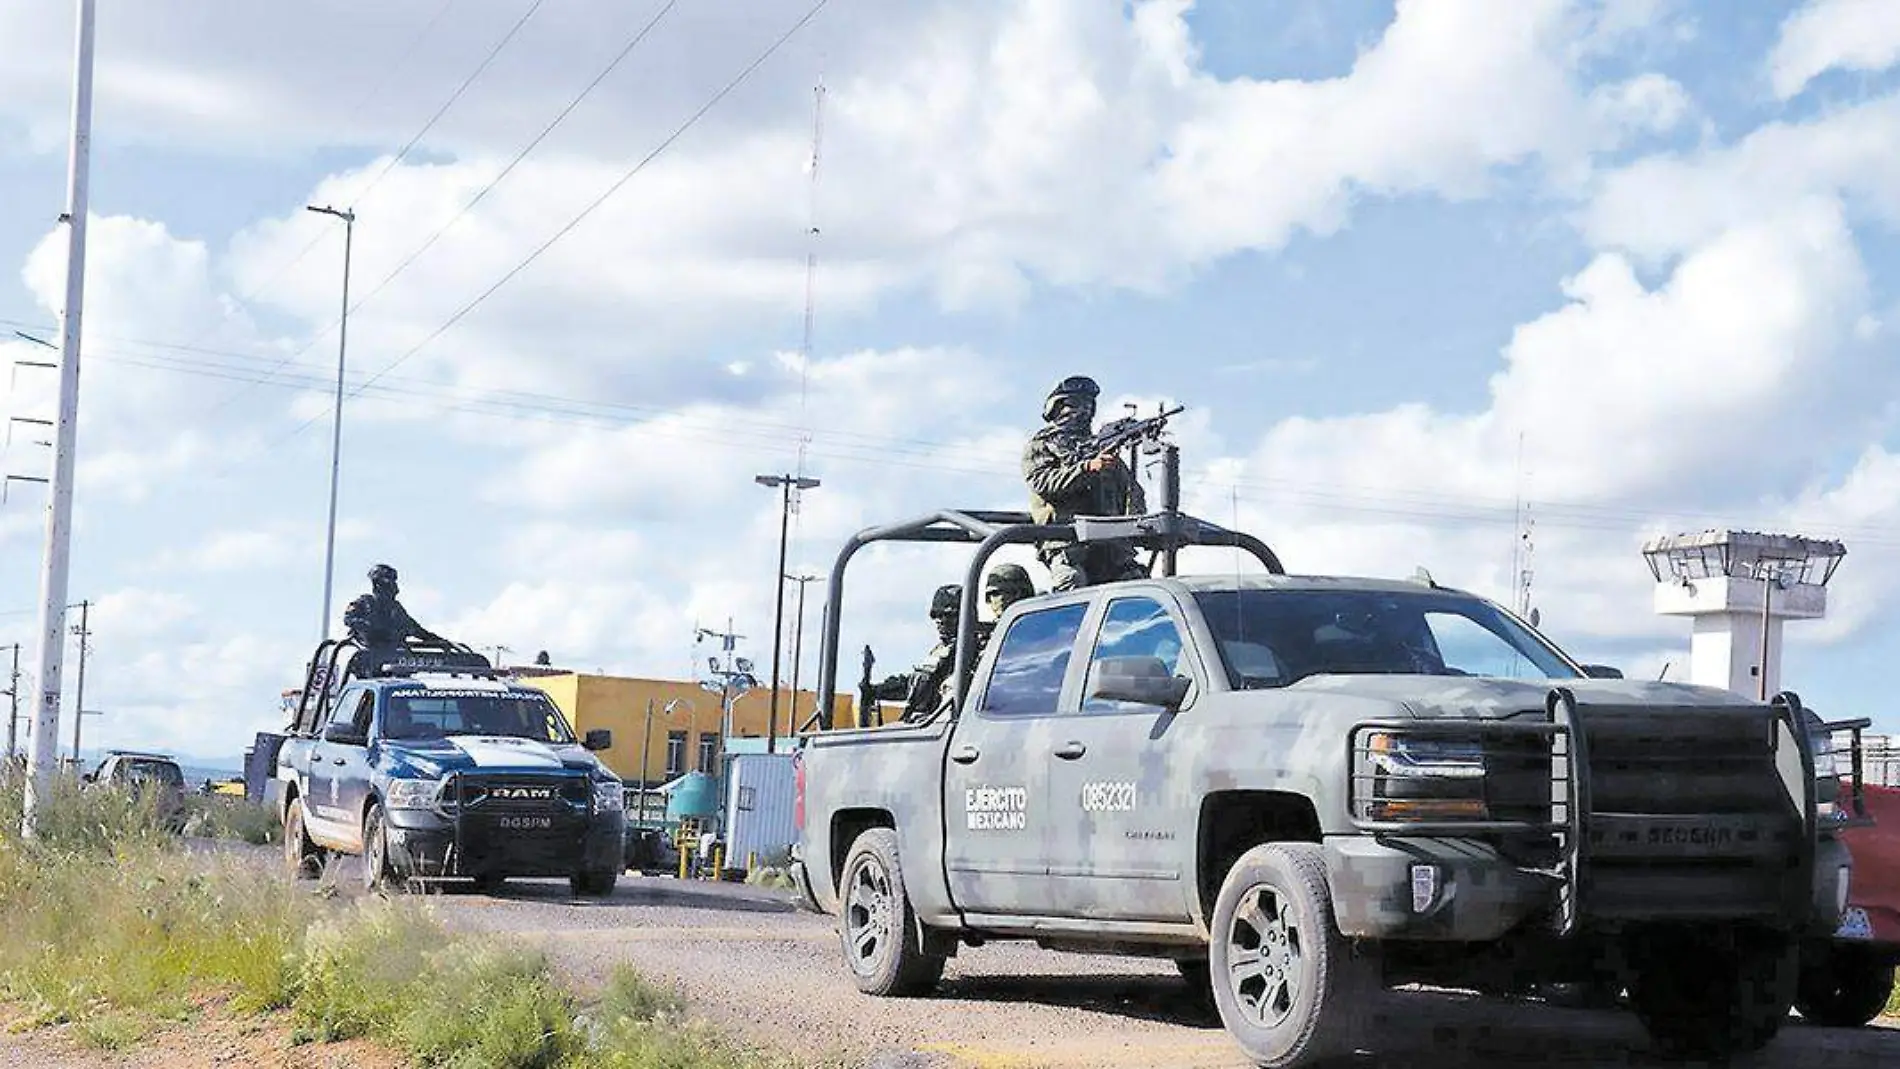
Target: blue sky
<point>1368,244</point>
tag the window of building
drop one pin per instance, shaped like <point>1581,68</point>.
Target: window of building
<point>708,743</point>
<point>1027,679</point>
<point>1133,627</point>
<point>675,752</point>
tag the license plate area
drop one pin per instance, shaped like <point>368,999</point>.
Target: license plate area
<point>512,822</point>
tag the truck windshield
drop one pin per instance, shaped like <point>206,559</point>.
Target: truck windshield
<point>1271,638</point>
<point>438,714</point>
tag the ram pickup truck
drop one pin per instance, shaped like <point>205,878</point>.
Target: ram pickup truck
<point>441,771</point>
<point>1307,789</point>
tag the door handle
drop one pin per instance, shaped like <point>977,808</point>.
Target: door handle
<point>336,760</point>
<point>1071,750</point>
<point>963,755</point>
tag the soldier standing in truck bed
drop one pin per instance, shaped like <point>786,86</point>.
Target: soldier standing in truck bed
<point>1064,484</point>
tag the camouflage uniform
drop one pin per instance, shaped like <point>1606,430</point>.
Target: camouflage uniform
<point>1004,587</point>
<point>1064,484</point>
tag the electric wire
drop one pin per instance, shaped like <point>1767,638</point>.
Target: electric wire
<point>388,165</point>
<point>1425,508</point>
<point>592,206</point>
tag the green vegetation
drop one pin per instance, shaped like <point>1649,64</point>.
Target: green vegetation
<point>113,924</point>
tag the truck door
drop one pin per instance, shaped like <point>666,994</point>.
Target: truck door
<point>1120,843</point>
<point>995,796</point>
<point>325,804</point>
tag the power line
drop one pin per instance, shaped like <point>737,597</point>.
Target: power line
<point>627,50</point>
<point>691,121</point>
<point>763,436</point>
<point>388,165</point>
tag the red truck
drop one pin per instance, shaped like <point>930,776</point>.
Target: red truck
<point>1847,981</point>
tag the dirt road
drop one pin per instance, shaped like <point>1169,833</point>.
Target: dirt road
<point>751,963</point>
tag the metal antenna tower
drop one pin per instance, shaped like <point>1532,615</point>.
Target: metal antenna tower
<point>811,265</point>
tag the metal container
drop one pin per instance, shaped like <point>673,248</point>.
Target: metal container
<point>760,808</point>
<point>691,797</point>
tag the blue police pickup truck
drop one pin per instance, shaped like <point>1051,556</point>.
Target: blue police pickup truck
<point>429,767</point>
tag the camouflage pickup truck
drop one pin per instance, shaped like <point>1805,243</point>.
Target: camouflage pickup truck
<point>1306,789</point>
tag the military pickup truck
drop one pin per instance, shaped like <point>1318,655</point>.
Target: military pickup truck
<point>430,767</point>
<point>1306,789</point>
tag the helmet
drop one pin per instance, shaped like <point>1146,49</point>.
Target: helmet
<point>1006,578</point>
<point>1067,390</point>
<point>946,602</point>
<point>382,573</point>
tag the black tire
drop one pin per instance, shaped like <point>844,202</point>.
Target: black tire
<point>1843,987</point>
<point>593,884</point>
<point>378,873</point>
<point>302,856</point>
<point>1713,994</point>
<point>876,925</point>
<point>1291,989</point>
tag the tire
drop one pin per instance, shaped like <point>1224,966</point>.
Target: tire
<point>1715,993</point>
<point>1843,987</point>
<point>378,873</point>
<point>876,924</point>
<point>302,856</point>
<point>593,884</point>
<point>1291,990</point>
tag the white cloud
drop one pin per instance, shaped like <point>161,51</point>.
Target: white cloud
<point>1665,204</point>
<point>1856,35</point>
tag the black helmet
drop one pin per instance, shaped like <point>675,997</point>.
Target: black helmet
<point>1072,387</point>
<point>382,573</point>
<point>1008,577</point>
<point>946,602</point>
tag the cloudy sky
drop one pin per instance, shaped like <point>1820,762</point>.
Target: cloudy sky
<point>1632,262</point>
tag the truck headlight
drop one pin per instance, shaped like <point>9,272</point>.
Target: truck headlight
<point>411,794</point>
<point>1406,777</point>
<point>609,794</point>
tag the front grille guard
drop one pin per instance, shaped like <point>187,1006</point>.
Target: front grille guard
<point>1570,788</point>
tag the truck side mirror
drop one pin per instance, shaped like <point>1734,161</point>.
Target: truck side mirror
<point>343,734</point>
<point>1602,671</point>
<point>598,739</point>
<point>1143,680</point>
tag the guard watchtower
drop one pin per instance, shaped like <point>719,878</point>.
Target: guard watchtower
<point>1739,587</point>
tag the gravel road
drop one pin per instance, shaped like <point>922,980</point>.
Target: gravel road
<point>750,962</point>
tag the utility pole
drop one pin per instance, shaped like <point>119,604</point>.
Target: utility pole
<point>798,642</point>
<point>13,703</point>
<point>79,697</point>
<point>59,518</point>
<point>336,421</point>
<point>787,483</point>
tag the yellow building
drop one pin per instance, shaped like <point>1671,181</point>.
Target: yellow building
<point>666,727</point>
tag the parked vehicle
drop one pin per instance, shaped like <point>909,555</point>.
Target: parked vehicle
<point>1847,979</point>
<point>1305,789</point>
<point>159,774</point>
<point>433,768</point>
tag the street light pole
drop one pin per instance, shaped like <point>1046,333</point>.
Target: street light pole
<point>787,483</point>
<point>336,423</point>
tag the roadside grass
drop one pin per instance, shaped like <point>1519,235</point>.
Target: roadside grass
<point>112,927</point>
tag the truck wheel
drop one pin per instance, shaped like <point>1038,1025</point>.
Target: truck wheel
<point>877,922</point>
<point>302,856</point>
<point>378,873</point>
<point>1290,989</point>
<point>1843,987</point>
<point>1710,995</point>
<point>593,884</point>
